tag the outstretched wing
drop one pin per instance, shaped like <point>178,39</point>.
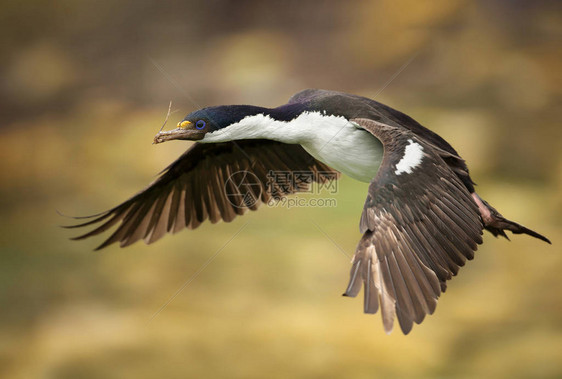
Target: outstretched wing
<point>420,224</point>
<point>210,181</point>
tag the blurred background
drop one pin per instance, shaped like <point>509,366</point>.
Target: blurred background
<point>84,87</point>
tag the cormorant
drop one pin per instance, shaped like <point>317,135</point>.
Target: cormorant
<point>421,221</point>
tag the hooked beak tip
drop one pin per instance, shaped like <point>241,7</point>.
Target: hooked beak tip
<point>163,136</point>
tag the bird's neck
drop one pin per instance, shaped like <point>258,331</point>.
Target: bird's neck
<point>288,124</point>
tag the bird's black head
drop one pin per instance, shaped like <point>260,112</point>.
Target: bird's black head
<point>207,120</point>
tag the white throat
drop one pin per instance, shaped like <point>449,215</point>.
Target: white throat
<point>333,140</point>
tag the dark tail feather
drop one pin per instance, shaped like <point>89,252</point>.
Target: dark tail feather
<point>496,224</point>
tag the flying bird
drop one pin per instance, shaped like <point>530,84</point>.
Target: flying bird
<point>421,221</point>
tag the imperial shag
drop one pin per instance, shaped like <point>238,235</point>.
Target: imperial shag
<point>421,221</point>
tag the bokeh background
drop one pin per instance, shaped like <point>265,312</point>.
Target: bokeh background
<point>85,86</point>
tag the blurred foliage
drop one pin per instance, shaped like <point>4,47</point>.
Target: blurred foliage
<point>85,86</point>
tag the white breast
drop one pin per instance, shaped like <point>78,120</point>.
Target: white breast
<point>333,140</point>
<point>350,150</point>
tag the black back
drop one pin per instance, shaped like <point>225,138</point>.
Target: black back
<point>354,106</point>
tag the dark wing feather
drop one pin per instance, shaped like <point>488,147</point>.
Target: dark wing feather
<point>419,228</point>
<point>192,189</point>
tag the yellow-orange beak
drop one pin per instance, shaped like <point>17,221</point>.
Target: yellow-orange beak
<point>184,124</point>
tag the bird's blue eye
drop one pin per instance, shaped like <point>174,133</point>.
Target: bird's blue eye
<point>200,124</point>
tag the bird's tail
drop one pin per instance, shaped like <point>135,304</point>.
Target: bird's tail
<point>496,224</point>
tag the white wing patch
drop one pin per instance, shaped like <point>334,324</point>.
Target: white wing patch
<point>413,155</point>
